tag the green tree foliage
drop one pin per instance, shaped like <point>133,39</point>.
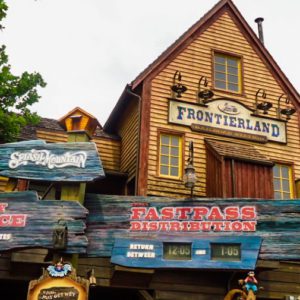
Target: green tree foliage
<point>17,94</point>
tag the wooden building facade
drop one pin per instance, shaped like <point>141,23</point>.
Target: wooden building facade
<point>217,101</point>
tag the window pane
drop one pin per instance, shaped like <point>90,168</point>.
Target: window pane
<point>164,170</point>
<point>220,59</point>
<point>174,151</point>
<point>277,195</point>
<point>276,171</point>
<point>220,76</point>
<point>164,160</point>
<point>164,149</point>
<point>174,161</point>
<point>282,181</point>
<point>174,171</point>
<point>220,68</point>
<point>233,79</point>
<point>165,140</point>
<point>232,62</point>
<point>175,141</point>
<point>220,84</point>
<point>285,172</point>
<point>233,87</point>
<point>233,71</point>
<point>285,186</point>
<point>277,184</point>
<point>170,156</point>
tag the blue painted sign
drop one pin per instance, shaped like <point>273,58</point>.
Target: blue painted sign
<point>26,222</point>
<point>276,222</point>
<point>37,160</point>
<point>235,253</point>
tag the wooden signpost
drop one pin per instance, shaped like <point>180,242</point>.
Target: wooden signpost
<point>37,160</point>
<point>26,222</point>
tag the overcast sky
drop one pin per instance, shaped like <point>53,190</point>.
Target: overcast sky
<point>88,50</point>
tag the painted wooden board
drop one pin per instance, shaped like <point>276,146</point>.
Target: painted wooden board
<point>277,223</point>
<point>26,222</point>
<point>150,253</point>
<point>37,160</point>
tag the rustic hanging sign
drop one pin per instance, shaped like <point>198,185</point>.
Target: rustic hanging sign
<point>37,160</point>
<point>26,222</point>
<point>59,282</point>
<point>227,118</point>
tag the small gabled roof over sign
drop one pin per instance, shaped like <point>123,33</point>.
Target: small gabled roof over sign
<point>79,120</point>
<point>199,27</point>
<point>37,160</point>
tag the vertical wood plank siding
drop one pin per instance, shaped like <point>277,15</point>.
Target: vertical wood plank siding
<point>193,62</point>
<point>250,180</point>
<point>214,173</point>
<point>129,135</point>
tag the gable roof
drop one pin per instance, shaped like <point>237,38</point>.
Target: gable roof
<point>70,113</point>
<point>200,26</point>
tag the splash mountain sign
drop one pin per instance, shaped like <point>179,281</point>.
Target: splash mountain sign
<point>37,160</point>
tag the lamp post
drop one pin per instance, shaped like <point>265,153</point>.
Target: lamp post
<point>189,177</point>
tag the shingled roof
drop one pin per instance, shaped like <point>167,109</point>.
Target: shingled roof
<point>237,151</point>
<point>29,131</point>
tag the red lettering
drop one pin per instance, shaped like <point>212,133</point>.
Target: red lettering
<point>215,214</point>
<point>183,212</point>
<point>18,220</point>
<point>153,226</point>
<point>237,226</point>
<point>249,226</point>
<point>206,226</point>
<point>194,226</point>
<point>135,226</point>
<point>185,226</point>
<point>248,213</point>
<point>227,226</point>
<point>163,226</point>
<point>217,226</point>
<point>152,214</point>
<point>136,213</point>
<point>232,213</point>
<point>174,226</point>
<point>167,213</point>
<point>3,207</point>
<point>200,212</point>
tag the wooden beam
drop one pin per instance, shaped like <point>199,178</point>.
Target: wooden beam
<point>134,270</point>
<point>144,295</point>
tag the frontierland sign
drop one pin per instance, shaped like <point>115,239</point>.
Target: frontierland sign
<point>227,117</point>
<point>193,219</point>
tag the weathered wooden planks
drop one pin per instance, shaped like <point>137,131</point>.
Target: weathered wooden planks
<point>26,222</point>
<point>36,160</point>
<point>194,61</point>
<point>278,223</point>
